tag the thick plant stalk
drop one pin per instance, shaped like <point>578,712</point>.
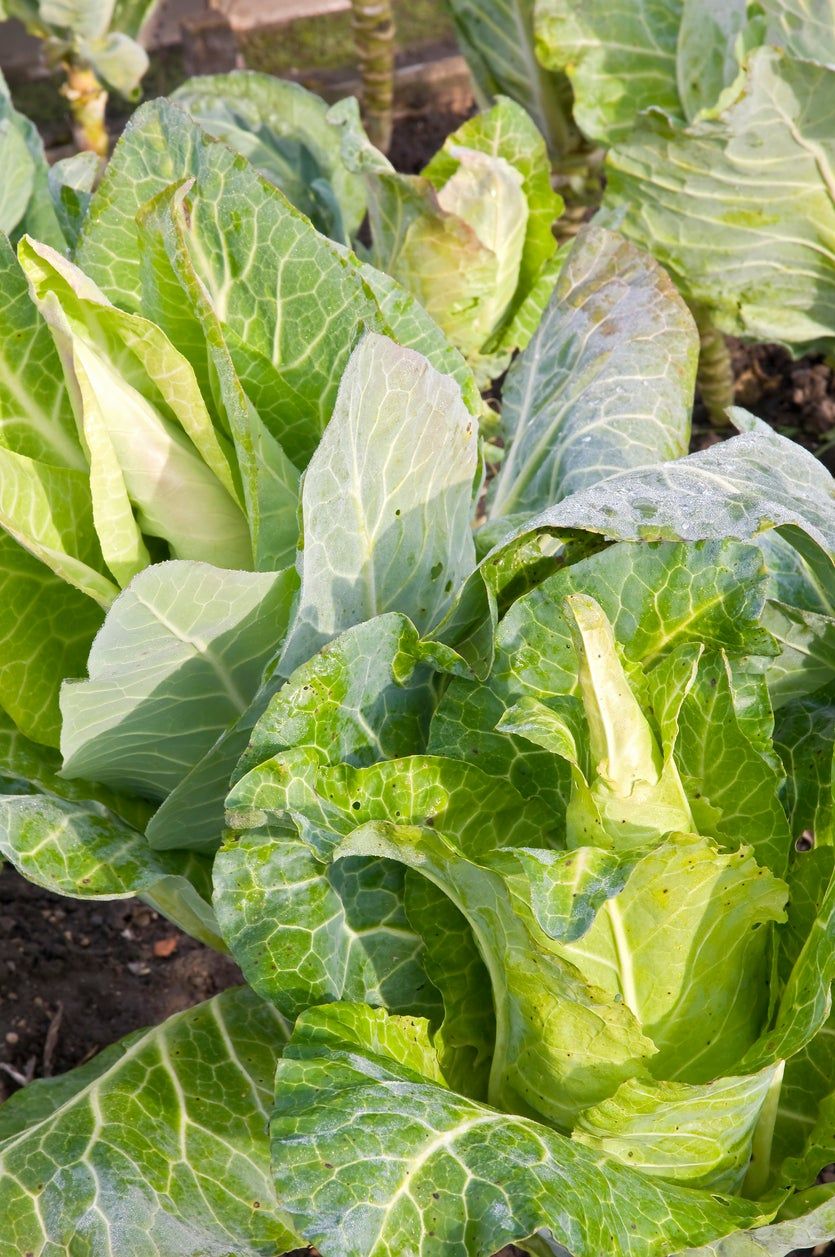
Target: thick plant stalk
<point>373,23</point>
<point>715,377</point>
<point>88,102</point>
<point>570,222</point>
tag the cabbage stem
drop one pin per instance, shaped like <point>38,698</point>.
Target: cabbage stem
<point>373,23</point>
<point>715,378</point>
<point>87,99</point>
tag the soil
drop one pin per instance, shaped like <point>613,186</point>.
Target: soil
<point>417,137</point>
<point>77,975</point>
<point>795,396</point>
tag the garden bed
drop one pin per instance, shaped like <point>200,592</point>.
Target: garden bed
<point>76,976</point>
<point>795,396</point>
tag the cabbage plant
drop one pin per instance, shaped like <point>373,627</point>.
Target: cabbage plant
<point>179,437</point>
<point>471,235</point>
<point>497,40</point>
<point>96,47</point>
<point>715,115</point>
<point>500,823</point>
<point>283,129</point>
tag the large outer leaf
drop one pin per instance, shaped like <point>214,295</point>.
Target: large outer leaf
<point>180,657</point>
<point>749,239</point>
<point>155,1147</point>
<point>606,384</point>
<point>292,304</point>
<point>742,487</point>
<point>46,640</point>
<point>496,37</point>
<point>36,418</point>
<point>620,56</point>
<point>805,28</point>
<point>79,849</point>
<point>443,1176</point>
<point>386,500</point>
<point>281,128</point>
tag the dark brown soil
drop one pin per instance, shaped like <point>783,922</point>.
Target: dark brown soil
<point>795,396</point>
<point>76,975</point>
<point>417,137</point>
